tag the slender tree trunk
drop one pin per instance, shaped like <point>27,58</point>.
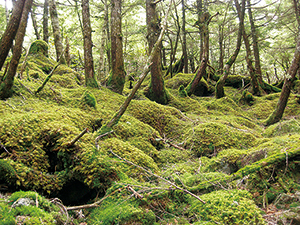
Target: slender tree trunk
<point>221,56</point>
<point>34,23</point>
<point>108,38</point>
<point>56,32</point>
<point>6,85</point>
<point>286,90</point>
<point>117,78</point>
<point>45,21</point>
<point>203,24</point>
<point>156,91</point>
<point>6,12</point>
<point>90,79</point>
<point>67,52</point>
<point>101,69</point>
<point>184,51</point>
<point>199,13</point>
<point>11,30</point>
<point>220,84</point>
<point>255,45</point>
<point>297,11</point>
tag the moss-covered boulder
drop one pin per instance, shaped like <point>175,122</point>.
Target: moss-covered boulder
<point>234,207</point>
<point>207,139</point>
<point>39,47</point>
<point>237,81</point>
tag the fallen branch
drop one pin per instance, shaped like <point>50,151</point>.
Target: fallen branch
<point>93,205</point>
<point>47,78</point>
<point>26,88</point>
<point>136,195</point>
<point>70,144</point>
<point>100,136</point>
<point>157,176</point>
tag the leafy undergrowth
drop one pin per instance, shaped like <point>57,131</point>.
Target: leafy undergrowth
<point>147,170</point>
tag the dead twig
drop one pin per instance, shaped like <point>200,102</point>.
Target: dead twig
<point>2,146</point>
<point>64,210</point>
<point>100,136</point>
<point>157,176</point>
<point>70,144</point>
<point>136,195</point>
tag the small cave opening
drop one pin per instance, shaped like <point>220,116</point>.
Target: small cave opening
<point>76,192</point>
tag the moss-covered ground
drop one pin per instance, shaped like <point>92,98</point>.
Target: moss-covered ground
<point>216,149</point>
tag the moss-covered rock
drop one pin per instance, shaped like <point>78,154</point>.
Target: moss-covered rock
<point>208,139</point>
<point>89,99</point>
<point>234,207</point>
<point>39,47</point>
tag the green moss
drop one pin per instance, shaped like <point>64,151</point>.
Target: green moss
<point>39,46</point>
<point>89,99</point>
<point>212,137</point>
<point>291,126</point>
<point>182,92</point>
<point>247,97</point>
<point>234,207</point>
<point>34,209</point>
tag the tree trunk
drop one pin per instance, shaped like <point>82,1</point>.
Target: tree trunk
<point>90,79</point>
<point>221,56</point>
<point>6,13</point>
<point>220,84</point>
<point>67,52</point>
<point>199,13</point>
<point>34,23</point>
<point>117,78</point>
<point>203,25</point>
<point>107,28</point>
<point>258,73</point>
<point>6,85</point>
<point>184,51</point>
<point>11,30</point>
<point>56,32</point>
<point>297,11</point>
<point>156,91</point>
<point>45,21</point>
<point>286,90</point>
<point>101,68</point>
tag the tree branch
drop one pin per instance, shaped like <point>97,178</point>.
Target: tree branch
<point>157,176</point>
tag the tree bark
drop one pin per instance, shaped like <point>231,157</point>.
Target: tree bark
<point>90,79</point>
<point>184,51</point>
<point>286,90</point>
<point>117,78</point>
<point>203,25</point>
<point>34,23</point>
<point>45,21</point>
<point>6,85</point>
<point>258,73</point>
<point>56,32</point>
<point>220,84</point>
<point>199,13</point>
<point>156,92</point>
<point>11,30</point>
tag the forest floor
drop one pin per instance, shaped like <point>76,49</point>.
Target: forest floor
<point>197,160</point>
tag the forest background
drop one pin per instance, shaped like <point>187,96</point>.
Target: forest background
<point>202,139</point>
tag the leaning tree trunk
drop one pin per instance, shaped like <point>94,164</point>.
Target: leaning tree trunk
<point>252,71</point>
<point>6,85</point>
<point>286,90</point>
<point>156,91</point>
<point>203,24</point>
<point>90,80</point>
<point>11,30</point>
<point>56,32</point>
<point>117,78</point>
<point>220,84</point>
<point>34,23</point>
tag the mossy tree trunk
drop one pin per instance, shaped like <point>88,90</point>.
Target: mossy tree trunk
<point>34,23</point>
<point>156,91</point>
<point>184,51</point>
<point>203,24</point>
<point>45,21</point>
<point>220,84</point>
<point>6,85</point>
<point>11,30</point>
<point>90,79</point>
<point>56,32</point>
<point>286,90</point>
<point>255,45</point>
<point>252,70</point>
<point>115,119</point>
<point>199,4</point>
<point>117,77</point>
